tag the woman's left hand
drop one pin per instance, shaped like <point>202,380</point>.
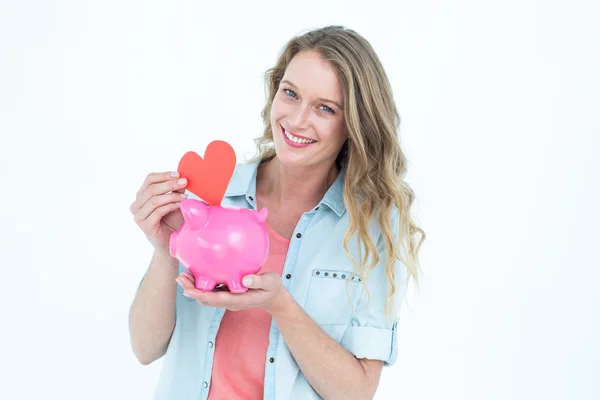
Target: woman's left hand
<point>264,291</point>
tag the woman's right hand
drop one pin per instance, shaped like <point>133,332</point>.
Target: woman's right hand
<point>156,207</point>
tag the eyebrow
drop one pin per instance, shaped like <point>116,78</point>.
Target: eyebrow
<point>320,98</point>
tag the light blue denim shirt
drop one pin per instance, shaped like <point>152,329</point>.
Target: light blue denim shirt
<point>319,275</point>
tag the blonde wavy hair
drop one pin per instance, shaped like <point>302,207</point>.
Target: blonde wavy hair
<point>375,164</point>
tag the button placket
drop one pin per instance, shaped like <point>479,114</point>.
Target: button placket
<point>301,226</point>
<point>289,267</point>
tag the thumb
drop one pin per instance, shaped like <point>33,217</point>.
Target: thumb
<point>267,281</point>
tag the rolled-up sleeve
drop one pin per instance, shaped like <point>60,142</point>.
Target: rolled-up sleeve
<point>371,334</point>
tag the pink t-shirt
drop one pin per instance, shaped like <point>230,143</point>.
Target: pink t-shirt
<point>242,341</point>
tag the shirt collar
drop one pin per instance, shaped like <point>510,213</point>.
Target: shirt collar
<point>243,183</point>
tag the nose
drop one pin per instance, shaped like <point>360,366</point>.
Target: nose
<point>299,119</point>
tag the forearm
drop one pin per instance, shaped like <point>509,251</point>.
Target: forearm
<point>329,368</point>
<point>152,313</point>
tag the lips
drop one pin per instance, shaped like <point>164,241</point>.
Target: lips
<point>296,140</point>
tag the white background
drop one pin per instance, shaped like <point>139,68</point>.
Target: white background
<point>499,104</point>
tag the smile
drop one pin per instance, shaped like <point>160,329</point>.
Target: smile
<point>295,140</point>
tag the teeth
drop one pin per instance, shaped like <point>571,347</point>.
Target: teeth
<point>296,139</point>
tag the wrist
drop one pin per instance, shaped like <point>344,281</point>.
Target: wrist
<point>164,257</point>
<point>281,303</point>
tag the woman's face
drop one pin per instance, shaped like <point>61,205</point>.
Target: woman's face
<point>307,114</point>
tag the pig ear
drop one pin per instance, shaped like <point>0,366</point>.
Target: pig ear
<point>262,215</point>
<point>195,213</point>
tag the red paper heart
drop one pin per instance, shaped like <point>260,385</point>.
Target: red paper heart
<point>208,178</point>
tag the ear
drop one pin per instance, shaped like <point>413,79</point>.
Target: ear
<point>262,215</point>
<point>195,213</point>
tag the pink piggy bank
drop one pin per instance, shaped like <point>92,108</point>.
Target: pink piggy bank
<point>220,244</point>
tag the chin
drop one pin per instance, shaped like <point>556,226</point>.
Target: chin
<point>287,157</point>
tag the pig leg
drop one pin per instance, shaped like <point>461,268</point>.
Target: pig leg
<point>205,284</point>
<point>235,286</point>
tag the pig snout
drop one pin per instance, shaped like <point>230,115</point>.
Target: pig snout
<point>195,213</point>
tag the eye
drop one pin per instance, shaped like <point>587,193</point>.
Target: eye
<point>288,91</point>
<point>328,109</point>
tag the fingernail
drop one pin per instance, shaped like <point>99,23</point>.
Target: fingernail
<point>185,196</point>
<point>247,281</point>
<point>174,174</point>
<point>182,181</point>
<point>178,282</point>
<point>186,295</point>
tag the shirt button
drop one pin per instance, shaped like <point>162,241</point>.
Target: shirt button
<point>205,384</point>
<point>210,344</point>
<point>298,235</point>
<point>271,360</point>
<point>251,198</point>
<point>288,276</point>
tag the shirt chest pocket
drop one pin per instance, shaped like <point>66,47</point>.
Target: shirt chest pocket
<point>332,296</point>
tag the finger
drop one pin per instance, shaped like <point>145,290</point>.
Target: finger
<point>158,189</point>
<point>221,299</point>
<point>267,281</point>
<point>154,189</point>
<point>188,276</point>
<point>189,289</point>
<point>156,202</point>
<point>157,177</point>
<point>185,275</point>
<point>154,219</point>
<point>187,280</point>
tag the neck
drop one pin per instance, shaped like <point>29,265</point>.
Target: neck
<point>293,187</point>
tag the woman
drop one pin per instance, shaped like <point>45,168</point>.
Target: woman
<point>318,319</point>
